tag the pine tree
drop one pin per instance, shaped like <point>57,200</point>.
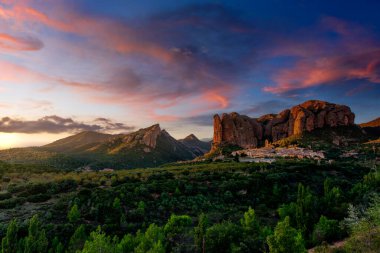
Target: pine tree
<point>200,232</point>
<point>9,242</point>
<point>78,239</point>
<point>74,214</point>
<point>36,241</point>
<point>99,242</point>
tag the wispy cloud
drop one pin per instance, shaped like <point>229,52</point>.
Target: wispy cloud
<point>27,43</point>
<point>352,55</point>
<point>170,65</point>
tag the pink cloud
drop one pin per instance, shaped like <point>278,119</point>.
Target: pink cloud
<point>173,79</point>
<point>14,73</point>
<point>9,42</point>
<point>110,34</point>
<point>320,62</point>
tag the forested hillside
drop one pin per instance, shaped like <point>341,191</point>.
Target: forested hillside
<point>287,206</point>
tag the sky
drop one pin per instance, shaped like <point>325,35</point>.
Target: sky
<point>120,65</point>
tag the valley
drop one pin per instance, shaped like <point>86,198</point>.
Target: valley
<point>148,192</point>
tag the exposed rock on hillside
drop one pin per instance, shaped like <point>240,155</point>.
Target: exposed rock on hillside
<point>246,132</point>
<point>150,146</point>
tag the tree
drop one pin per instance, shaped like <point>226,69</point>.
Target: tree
<point>151,241</point>
<point>9,242</point>
<point>117,210</point>
<point>141,209</point>
<point>74,214</point>
<point>305,209</point>
<point>286,239</point>
<point>78,239</point>
<point>56,246</point>
<point>99,242</point>
<point>116,204</point>
<point>127,244</point>
<point>200,232</point>
<point>36,241</point>
<point>331,199</point>
<point>249,221</point>
<point>253,236</point>
<point>364,229</point>
<point>326,230</point>
<point>221,237</point>
<point>176,229</point>
<point>288,210</point>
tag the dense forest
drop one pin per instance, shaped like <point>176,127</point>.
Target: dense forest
<point>288,206</point>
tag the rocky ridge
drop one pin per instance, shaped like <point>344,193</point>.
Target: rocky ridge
<point>246,132</point>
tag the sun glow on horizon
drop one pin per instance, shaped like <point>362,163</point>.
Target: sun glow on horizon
<point>8,140</point>
<point>20,140</point>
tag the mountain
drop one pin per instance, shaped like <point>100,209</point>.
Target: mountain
<point>146,147</point>
<point>243,131</point>
<point>79,142</point>
<point>372,127</point>
<point>372,123</point>
<point>197,146</point>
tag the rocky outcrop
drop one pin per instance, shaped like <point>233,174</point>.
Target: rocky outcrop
<point>150,136</point>
<point>146,147</point>
<point>246,132</point>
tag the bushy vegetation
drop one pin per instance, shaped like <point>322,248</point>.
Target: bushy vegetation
<point>287,206</point>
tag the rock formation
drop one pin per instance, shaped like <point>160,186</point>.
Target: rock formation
<point>150,136</point>
<point>246,132</point>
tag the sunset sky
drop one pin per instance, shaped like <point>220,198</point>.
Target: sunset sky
<point>117,66</point>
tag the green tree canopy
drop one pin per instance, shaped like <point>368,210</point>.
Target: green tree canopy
<point>10,241</point>
<point>286,239</point>
<point>74,214</point>
<point>36,241</point>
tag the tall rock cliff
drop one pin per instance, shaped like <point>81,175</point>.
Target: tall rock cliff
<point>246,132</point>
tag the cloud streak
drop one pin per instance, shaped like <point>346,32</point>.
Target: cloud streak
<point>170,65</point>
<point>353,56</point>
<point>9,42</point>
<point>55,124</point>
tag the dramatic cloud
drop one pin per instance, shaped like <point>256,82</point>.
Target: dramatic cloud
<point>174,63</point>
<point>166,64</point>
<point>352,55</point>
<point>56,124</point>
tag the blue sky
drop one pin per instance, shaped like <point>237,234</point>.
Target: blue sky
<point>137,63</point>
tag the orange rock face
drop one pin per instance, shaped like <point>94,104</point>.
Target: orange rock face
<point>240,130</point>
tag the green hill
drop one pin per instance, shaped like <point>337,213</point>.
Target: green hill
<point>147,147</point>
<point>78,142</point>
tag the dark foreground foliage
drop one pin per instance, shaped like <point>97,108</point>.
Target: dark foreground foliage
<point>287,206</point>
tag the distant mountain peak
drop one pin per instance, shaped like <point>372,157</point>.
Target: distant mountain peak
<point>191,137</point>
<point>198,147</point>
